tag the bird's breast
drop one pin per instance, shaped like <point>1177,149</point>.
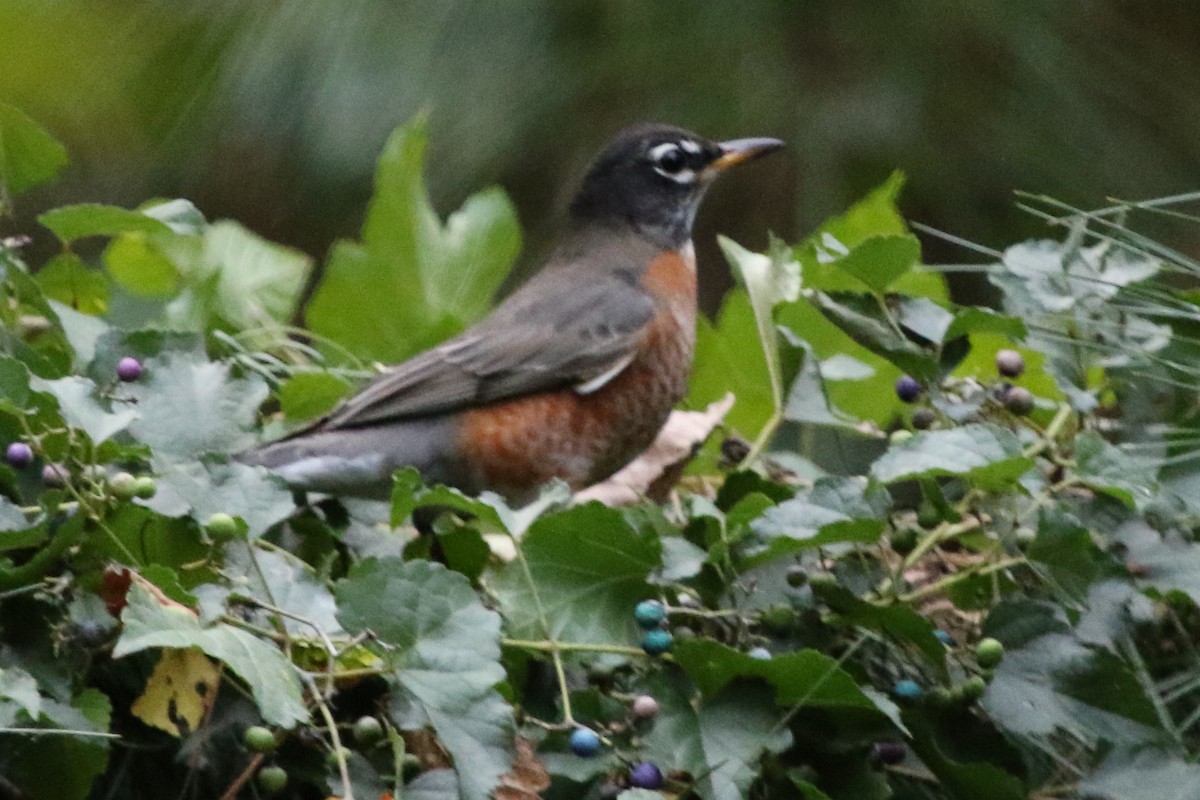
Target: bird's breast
<point>517,445</point>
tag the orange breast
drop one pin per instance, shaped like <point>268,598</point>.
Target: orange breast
<point>517,445</point>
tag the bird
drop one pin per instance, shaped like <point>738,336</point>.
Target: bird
<point>572,375</point>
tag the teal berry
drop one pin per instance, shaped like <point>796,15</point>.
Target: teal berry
<point>759,654</point>
<point>907,689</point>
<point>944,637</point>
<point>656,642</point>
<point>584,742</point>
<point>649,613</point>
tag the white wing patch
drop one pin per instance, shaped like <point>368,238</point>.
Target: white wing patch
<point>592,384</point>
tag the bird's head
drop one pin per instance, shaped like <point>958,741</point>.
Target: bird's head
<point>653,177</point>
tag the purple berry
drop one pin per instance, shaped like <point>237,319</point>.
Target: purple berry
<point>129,369</point>
<point>907,388</point>
<point>1010,363</point>
<point>645,707</point>
<point>54,476</point>
<point>19,455</point>
<point>645,776</point>
<point>889,752</point>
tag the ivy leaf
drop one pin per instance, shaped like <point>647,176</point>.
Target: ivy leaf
<point>28,155</point>
<point>836,510</point>
<point>444,653</point>
<point>60,767</point>
<point>67,279</point>
<point>719,740</point>
<point>1106,469</point>
<point>447,273</point>
<point>588,568</point>
<point>188,407</point>
<point>70,223</point>
<point>203,489</point>
<point>1156,774</point>
<point>860,318</point>
<point>308,395</point>
<point>79,407</point>
<point>987,455</point>
<point>271,679</point>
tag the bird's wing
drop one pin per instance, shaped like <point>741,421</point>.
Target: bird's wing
<point>553,334</point>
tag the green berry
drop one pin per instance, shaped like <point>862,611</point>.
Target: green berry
<point>221,527</point>
<point>797,576</point>
<point>146,487</point>
<point>989,652</point>
<point>656,642</point>
<point>928,516</point>
<point>367,730</point>
<point>778,620</point>
<point>258,739</point>
<point>900,436</point>
<point>973,688</point>
<point>331,758</point>
<point>271,780</point>
<point>904,540</point>
<point>123,486</point>
<point>649,613</point>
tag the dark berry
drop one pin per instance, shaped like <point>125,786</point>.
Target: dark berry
<point>923,418</point>
<point>19,455</point>
<point>649,613</point>
<point>656,642</point>
<point>734,450</point>
<point>258,739</point>
<point>146,487</point>
<point>129,369</point>
<point>797,576</point>
<point>904,540</point>
<point>272,779</point>
<point>683,633</point>
<point>907,388</point>
<point>645,707</point>
<point>645,776</point>
<point>367,730</point>
<point>1010,363</point>
<point>759,653</point>
<point>907,689</point>
<point>889,752</point>
<point>989,652</point>
<point>1018,400</point>
<point>54,476</point>
<point>584,742</point>
<point>123,486</point>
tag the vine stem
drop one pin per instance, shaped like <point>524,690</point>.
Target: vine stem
<point>961,575</point>
<point>330,725</point>
<point>550,646</point>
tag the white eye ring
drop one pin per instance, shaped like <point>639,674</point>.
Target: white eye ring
<point>657,153</point>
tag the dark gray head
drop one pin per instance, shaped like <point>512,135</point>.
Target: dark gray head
<point>652,178</point>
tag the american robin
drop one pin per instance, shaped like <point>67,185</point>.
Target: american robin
<point>572,375</point>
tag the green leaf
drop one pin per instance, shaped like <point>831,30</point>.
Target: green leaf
<point>28,155</point>
<point>836,510</point>
<point>987,455</point>
<point>444,653</point>
<point>414,281</point>
<point>589,570</point>
<point>860,317</point>
<point>1106,469</point>
<point>61,767</point>
<point>272,680</point>
<point>900,622</point>
<point>805,677</point>
<point>67,279</point>
<point>719,740</point>
<point>1157,774</point>
<point>878,261</point>
<point>79,407</point>
<point>727,359</point>
<point>308,395</point>
<point>20,688</point>
<point>1065,548</point>
<point>70,223</point>
<point>204,489</point>
<point>963,781</point>
<point>807,400</point>
<point>188,407</point>
<point>973,319</point>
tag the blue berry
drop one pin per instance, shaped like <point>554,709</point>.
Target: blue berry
<point>19,455</point>
<point>944,637</point>
<point>907,388</point>
<point>649,613</point>
<point>584,742</point>
<point>645,776</point>
<point>907,689</point>
<point>656,642</point>
<point>760,654</point>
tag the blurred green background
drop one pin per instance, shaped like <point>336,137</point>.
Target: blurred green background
<point>273,113</point>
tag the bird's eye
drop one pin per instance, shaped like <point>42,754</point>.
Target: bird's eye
<point>671,159</point>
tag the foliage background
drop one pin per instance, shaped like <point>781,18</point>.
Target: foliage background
<point>273,113</point>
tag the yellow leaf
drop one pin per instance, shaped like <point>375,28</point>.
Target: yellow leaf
<point>180,691</point>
